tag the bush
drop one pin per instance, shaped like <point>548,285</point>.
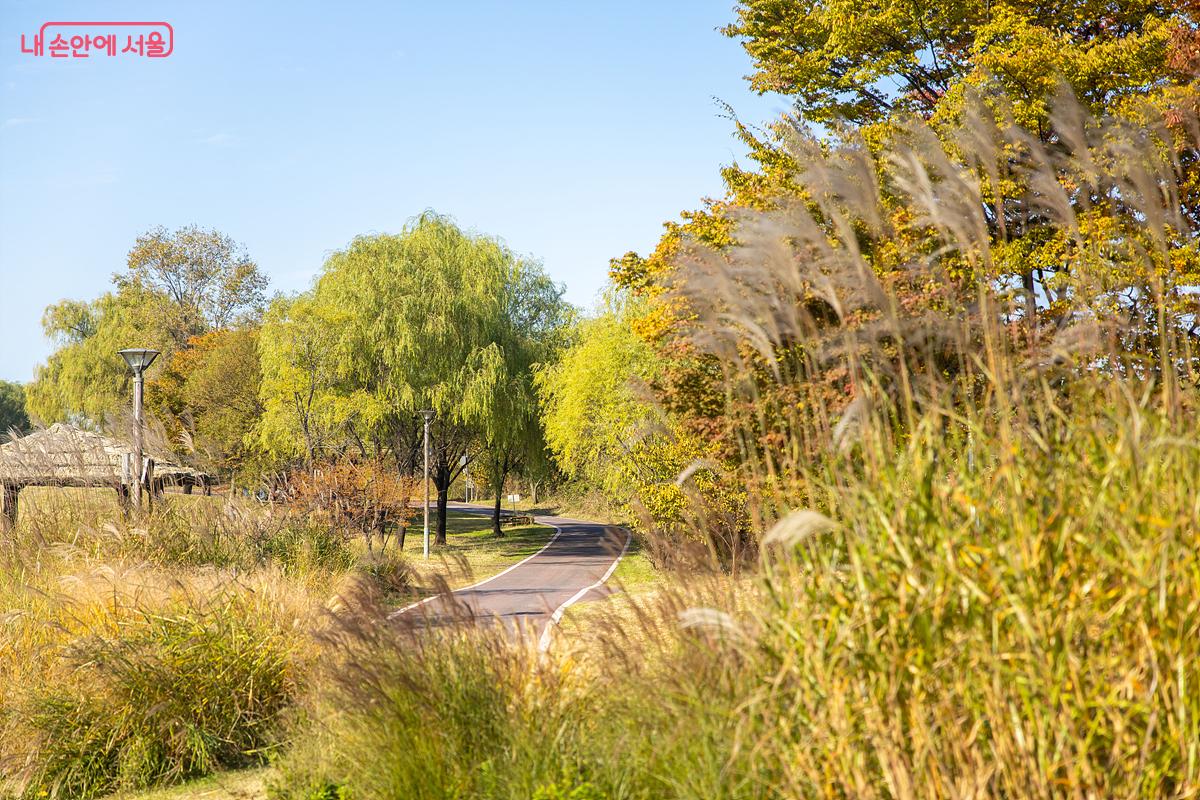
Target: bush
<point>145,650</point>
<point>429,714</point>
<point>144,679</point>
<point>359,498</point>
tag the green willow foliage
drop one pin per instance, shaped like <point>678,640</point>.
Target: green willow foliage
<point>595,416</point>
<point>432,317</point>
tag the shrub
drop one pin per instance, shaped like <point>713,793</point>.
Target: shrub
<point>360,498</point>
<point>151,649</point>
<point>132,678</point>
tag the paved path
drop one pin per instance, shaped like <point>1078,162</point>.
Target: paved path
<point>531,595</point>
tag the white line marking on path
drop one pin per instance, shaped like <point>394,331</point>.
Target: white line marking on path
<point>556,617</point>
<point>558,533</point>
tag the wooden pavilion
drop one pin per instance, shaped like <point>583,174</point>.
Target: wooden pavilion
<point>64,455</point>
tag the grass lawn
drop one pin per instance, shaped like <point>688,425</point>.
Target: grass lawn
<point>564,506</point>
<point>472,552</point>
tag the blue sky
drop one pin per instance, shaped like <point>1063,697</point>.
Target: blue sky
<point>571,130</point>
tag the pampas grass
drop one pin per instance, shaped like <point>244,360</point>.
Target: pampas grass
<point>979,566</point>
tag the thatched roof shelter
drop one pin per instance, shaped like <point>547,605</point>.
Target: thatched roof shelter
<point>64,455</point>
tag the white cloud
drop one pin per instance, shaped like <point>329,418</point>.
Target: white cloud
<point>15,122</point>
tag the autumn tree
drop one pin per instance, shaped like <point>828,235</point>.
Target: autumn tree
<point>864,75</point>
<point>208,395</point>
<point>366,499</point>
<point>869,63</point>
<point>177,285</point>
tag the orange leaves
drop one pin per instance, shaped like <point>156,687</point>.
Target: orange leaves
<point>361,496</point>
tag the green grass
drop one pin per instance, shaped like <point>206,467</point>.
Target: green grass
<point>472,551</point>
<point>563,502</point>
<point>636,582</point>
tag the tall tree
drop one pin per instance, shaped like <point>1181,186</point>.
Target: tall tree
<point>864,74</point>
<point>594,412</point>
<point>532,330</point>
<point>177,286</point>
<point>84,380</point>
<point>208,395</point>
<point>867,63</point>
<point>420,319</point>
<point>206,277</point>
<point>299,374</point>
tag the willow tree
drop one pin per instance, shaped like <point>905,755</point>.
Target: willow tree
<point>531,331</point>
<point>300,409</point>
<point>84,380</point>
<point>432,317</point>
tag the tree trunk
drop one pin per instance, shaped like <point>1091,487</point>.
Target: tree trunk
<point>443,496</point>
<point>499,473</point>
<point>400,537</point>
<point>11,493</point>
<point>1030,301</point>
<point>381,532</point>
<point>441,482</point>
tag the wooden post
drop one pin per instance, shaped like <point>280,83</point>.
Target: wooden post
<point>148,482</point>
<point>10,494</point>
<point>188,483</point>
<point>125,487</point>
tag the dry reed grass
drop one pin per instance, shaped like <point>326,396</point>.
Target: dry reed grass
<point>979,572</point>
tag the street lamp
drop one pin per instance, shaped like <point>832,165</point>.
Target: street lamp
<point>138,360</point>
<point>428,415</point>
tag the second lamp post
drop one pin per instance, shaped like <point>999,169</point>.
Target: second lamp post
<point>428,415</point>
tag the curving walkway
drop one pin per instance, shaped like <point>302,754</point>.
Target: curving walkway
<point>531,596</point>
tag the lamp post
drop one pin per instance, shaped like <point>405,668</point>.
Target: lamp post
<point>138,360</point>
<point>428,415</point>
<point>465,463</point>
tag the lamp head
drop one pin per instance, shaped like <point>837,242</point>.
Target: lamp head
<point>428,414</point>
<point>138,358</point>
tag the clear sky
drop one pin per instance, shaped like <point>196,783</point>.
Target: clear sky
<point>569,129</point>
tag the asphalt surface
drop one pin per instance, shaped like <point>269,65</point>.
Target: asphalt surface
<point>571,568</point>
